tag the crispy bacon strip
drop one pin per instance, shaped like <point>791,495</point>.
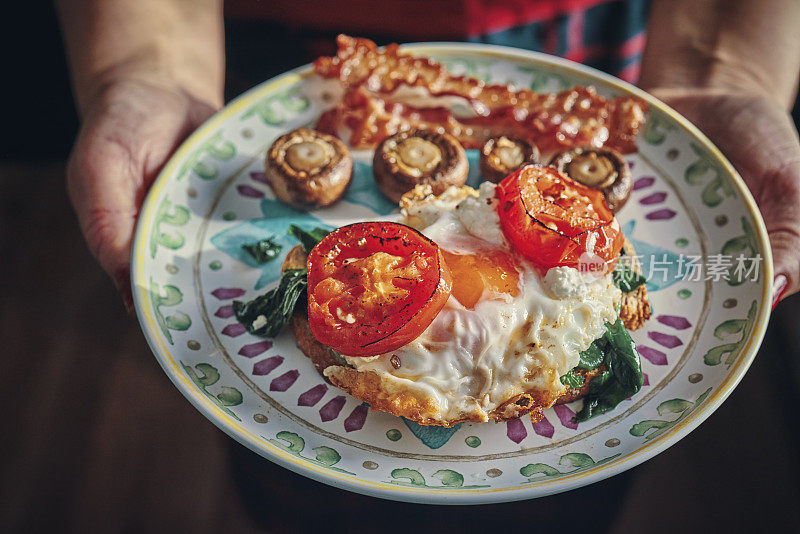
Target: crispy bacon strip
<point>553,122</point>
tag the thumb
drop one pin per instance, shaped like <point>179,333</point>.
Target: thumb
<point>103,178</point>
<point>781,210</point>
<point>760,139</point>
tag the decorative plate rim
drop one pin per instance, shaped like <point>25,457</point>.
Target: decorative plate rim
<point>441,496</point>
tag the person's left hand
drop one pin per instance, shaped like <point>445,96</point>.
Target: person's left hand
<point>129,131</point>
<point>760,140</point>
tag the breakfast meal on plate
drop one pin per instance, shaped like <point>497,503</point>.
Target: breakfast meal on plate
<point>475,304</point>
<point>419,157</point>
<point>603,169</point>
<point>308,169</point>
<point>500,156</point>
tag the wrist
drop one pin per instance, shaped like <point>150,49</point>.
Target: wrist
<point>166,71</point>
<point>715,82</point>
<point>177,43</point>
<point>724,46</point>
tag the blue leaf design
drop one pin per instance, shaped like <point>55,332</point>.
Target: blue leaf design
<point>432,436</point>
<point>277,218</point>
<point>474,177</point>
<point>363,191</point>
<point>647,253</point>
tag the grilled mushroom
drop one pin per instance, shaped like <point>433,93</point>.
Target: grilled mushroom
<point>308,169</point>
<point>602,169</point>
<point>500,156</point>
<point>408,159</point>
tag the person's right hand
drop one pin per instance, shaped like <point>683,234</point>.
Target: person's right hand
<point>129,131</point>
<point>758,137</point>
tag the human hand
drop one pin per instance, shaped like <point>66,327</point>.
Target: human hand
<point>760,140</point>
<point>129,131</point>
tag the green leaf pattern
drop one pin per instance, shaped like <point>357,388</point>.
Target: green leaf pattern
<point>204,375</point>
<point>545,81</point>
<point>656,128</point>
<point>173,215</point>
<point>726,329</point>
<point>474,68</point>
<point>294,444</point>
<point>200,161</point>
<point>718,187</point>
<point>413,479</point>
<point>745,246</point>
<point>168,295</point>
<point>578,461</point>
<point>277,108</point>
<point>653,428</point>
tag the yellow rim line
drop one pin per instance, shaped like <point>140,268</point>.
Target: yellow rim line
<point>249,98</point>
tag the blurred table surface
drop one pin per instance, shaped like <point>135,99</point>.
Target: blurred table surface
<point>96,438</point>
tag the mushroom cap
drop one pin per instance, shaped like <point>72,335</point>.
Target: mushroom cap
<point>308,169</point>
<point>419,157</point>
<point>501,156</point>
<point>600,168</point>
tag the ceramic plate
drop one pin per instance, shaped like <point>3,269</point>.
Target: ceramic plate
<point>702,242</point>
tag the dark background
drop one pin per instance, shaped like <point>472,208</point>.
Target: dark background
<point>96,438</point>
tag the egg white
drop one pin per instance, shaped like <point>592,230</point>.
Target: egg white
<point>468,362</point>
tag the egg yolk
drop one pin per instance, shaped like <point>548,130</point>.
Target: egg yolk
<point>475,273</point>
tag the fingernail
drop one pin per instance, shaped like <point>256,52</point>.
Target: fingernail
<point>122,278</point>
<point>779,285</point>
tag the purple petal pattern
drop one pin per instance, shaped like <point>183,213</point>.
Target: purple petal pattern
<point>656,357</point>
<point>515,430</point>
<point>654,198</point>
<point>544,428</point>
<point>285,381</point>
<point>225,293</point>
<point>356,419</point>
<point>332,408</point>
<point>312,396</point>
<point>645,379</point>
<point>665,340</point>
<point>265,367</point>
<point>259,176</point>
<point>660,215</point>
<point>224,312</point>
<point>643,182</point>
<point>675,321</point>
<point>233,330</point>
<point>254,349</point>
<point>249,191</point>
<point>565,415</point>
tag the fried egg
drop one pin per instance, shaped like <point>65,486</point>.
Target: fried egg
<point>505,330</point>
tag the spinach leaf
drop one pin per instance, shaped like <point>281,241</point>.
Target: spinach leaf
<point>626,278</point>
<point>592,357</point>
<point>339,358</point>
<point>308,239</point>
<point>572,380</point>
<point>267,314</point>
<point>264,250</point>
<point>621,379</point>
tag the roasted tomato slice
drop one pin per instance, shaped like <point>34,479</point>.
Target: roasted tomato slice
<point>553,220</point>
<point>374,287</point>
